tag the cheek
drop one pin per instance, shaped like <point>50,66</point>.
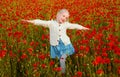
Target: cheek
<point>60,17</point>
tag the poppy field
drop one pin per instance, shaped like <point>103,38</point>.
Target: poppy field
<point>25,48</point>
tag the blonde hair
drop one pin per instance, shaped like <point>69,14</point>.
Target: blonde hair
<point>60,12</point>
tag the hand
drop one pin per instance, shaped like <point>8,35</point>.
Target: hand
<point>24,20</point>
<point>29,21</point>
<point>87,29</point>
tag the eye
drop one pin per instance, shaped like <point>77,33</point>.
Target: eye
<point>66,17</point>
<point>63,15</point>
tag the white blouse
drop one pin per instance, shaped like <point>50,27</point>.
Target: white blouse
<point>58,31</point>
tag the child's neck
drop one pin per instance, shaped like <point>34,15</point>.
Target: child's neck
<point>60,22</point>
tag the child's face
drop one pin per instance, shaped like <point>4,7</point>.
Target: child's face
<point>63,17</point>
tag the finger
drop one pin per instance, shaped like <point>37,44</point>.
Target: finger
<point>24,20</point>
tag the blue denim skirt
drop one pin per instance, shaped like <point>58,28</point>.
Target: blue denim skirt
<point>60,49</point>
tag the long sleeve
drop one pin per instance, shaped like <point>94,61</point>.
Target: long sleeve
<point>41,22</point>
<point>75,26</point>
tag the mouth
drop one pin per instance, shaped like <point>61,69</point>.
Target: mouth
<point>63,20</point>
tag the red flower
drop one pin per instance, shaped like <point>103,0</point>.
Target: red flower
<point>2,53</point>
<point>99,71</point>
<point>30,50</point>
<point>57,69</point>
<point>79,73</point>
<point>116,60</point>
<point>99,36</point>
<point>87,49</point>
<point>104,50</point>
<point>85,41</point>
<point>52,63</point>
<point>82,47</point>
<point>44,45</point>
<point>98,60</point>
<point>111,44</point>
<point>78,32</point>
<point>117,50</point>
<point>93,33</point>
<point>35,64</point>
<point>42,56</point>
<point>43,37</point>
<point>24,41</point>
<point>43,65</point>
<point>104,54</point>
<point>12,54</point>
<point>18,34</point>
<point>94,63</point>
<point>32,43</point>
<point>10,34</point>
<point>9,29</point>
<point>24,56</point>
<point>106,61</point>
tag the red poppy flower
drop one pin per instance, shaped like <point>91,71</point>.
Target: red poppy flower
<point>52,63</point>
<point>35,64</point>
<point>42,56</point>
<point>99,71</point>
<point>30,50</point>
<point>98,60</point>
<point>106,60</point>
<point>2,53</point>
<point>24,56</point>
<point>79,73</point>
<point>104,54</point>
<point>18,34</point>
<point>116,60</point>
<point>57,69</point>
<point>43,65</point>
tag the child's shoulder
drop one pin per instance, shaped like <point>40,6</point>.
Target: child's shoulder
<point>53,21</point>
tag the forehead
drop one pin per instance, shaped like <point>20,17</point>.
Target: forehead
<point>65,14</point>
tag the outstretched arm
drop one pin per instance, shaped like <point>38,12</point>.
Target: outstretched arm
<point>29,21</point>
<point>38,22</point>
<point>76,26</point>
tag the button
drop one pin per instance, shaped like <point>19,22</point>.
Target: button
<point>59,30</point>
<point>59,35</point>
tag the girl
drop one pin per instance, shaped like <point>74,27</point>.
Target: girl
<point>61,46</point>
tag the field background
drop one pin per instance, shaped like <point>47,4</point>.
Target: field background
<point>24,48</point>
